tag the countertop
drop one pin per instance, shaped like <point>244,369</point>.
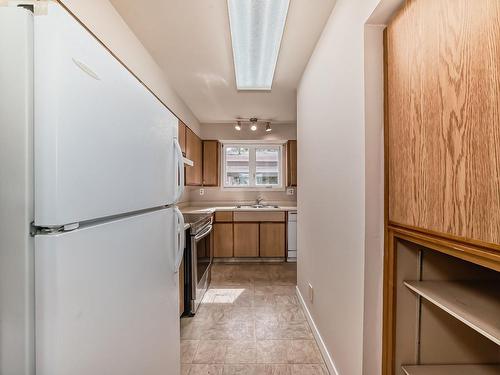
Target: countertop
<point>211,209</point>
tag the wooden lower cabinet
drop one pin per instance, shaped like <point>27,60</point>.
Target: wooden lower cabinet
<point>272,240</point>
<point>249,234</point>
<point>246,240</point>
<point>224,216</point>
<point>223,240</point>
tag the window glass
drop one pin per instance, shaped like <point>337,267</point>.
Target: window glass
<point>252,166</point>
<point>237,166</point>
<point>267,166</point>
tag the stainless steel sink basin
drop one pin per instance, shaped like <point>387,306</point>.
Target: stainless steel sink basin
<point>257,206</point>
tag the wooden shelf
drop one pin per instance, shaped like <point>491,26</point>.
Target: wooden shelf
<point>477,304</point>
<point>452,370</point>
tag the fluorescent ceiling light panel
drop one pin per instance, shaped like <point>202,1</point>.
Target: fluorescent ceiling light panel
<point>256,31</point>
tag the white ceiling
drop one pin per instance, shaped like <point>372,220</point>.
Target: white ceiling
<point>191,41</point>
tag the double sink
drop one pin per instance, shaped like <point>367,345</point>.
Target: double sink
<point>256,206</point>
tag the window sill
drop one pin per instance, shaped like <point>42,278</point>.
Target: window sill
<point>277,189</point>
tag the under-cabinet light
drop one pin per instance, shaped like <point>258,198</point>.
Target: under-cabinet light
<point>256,31</point>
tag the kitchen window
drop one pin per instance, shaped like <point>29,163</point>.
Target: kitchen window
<point>252,166</point>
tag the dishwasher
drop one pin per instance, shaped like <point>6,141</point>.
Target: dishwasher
<point>292,236</point>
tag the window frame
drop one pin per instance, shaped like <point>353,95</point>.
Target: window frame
<point>252,146</point>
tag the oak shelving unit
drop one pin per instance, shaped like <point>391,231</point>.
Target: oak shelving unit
<point>442,196</point>
<point>476,304</point>
<point>446,313</point>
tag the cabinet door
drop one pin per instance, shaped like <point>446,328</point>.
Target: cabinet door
<point>272,240</point>
<point>210,163</point>
<point>182,136</point>
<point>194,152</point>
<point>223,240</point>
<point>291,155</point>
<point>442,151</point>
<point>246,239</point>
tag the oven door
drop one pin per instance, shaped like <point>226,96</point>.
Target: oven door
<point>201,265</point>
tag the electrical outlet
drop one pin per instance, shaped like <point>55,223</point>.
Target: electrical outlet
<point>202,191</point>
<point>311,293</point>
<point>290,191</point>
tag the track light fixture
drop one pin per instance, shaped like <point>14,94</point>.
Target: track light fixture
<point>253,127</point>
<point>253,123</point>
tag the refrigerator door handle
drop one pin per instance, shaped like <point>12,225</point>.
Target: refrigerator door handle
<point>180,239</point>
<point>179,190</point>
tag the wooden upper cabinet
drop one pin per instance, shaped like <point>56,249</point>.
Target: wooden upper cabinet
<point>272,240</point>
<point>291,162</point>
<point>210,163</point>
<point>246,240</point>
<point>442,119</point>
<point>182,136</point>
<point>194,152</point>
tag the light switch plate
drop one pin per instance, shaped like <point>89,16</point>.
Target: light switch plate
<point>202,191</point>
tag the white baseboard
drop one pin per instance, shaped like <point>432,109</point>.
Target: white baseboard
<point>319,340</point>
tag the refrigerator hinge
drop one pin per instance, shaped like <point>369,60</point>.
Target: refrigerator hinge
<point>34,230</point>
<point>70,227</point>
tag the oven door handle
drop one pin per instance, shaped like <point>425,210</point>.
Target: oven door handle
<point>203,234</point>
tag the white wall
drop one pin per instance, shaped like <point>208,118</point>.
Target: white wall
<point>216,195</point>
<point>340,204</point>
<point>105,22</point>
<point>374,184</point>
<point>374,199</point>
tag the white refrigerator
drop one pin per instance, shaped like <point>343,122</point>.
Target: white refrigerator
<point>90,237</point>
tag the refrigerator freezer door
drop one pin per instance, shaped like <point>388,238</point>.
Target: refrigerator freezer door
<point>107,299</point>
<point>103,143</point>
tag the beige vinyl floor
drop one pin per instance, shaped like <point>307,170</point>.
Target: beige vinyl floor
<point>250,323</point>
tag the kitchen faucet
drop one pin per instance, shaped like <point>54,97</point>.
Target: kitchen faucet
<point>259,201</point>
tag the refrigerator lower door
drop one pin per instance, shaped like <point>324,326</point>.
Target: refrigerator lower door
<point>104,145</point>
<point>107,299</point>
